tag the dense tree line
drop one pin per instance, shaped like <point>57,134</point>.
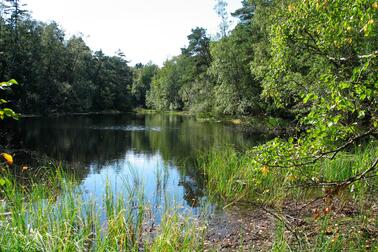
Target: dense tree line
<point>315,61</point>
<point>56,74</point>
<point>311,60</point>
<point>220,76</point>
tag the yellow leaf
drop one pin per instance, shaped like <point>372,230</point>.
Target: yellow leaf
<point>8,158</point>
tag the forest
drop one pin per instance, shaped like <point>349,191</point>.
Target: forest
<point>312,63</point>
<point>274,62</point>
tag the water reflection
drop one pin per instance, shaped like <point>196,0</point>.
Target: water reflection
<point>159,149</point>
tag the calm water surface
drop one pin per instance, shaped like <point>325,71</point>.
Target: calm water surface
<point>155,153</point>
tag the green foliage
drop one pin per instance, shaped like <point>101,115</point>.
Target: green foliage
<point>165,87</point>
<point>322,65</point>
<point>142,82</point>
<point>178,233</point>
<point>235,92</point>
<point>181,82</point>
<point>246,12</point>
<point>7,112</point>
<point>198,49</point>
<point>232,176</point>
<point>56,74</point>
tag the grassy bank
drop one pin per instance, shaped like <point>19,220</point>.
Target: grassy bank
<point>310,215</point>
<point>56,215</point>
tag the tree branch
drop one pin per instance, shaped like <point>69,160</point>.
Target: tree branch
<point>326,153</point>
<point>352,179</point>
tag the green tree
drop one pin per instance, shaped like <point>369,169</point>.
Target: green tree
<point>142,82</point>
<point>78,72</point>
<point>198,49</point>
<point>236,91</point>
<point>165,87</point>
<point>323,59</point>
<point>246,12</point>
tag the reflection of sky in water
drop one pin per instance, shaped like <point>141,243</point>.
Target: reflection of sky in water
<point>127,128</point>
<point>125,149</point>
<point>160,182</point>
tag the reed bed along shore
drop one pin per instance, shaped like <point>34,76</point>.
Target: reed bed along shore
<point>56,215</point>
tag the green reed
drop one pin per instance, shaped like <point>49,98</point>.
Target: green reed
<point>54,215</point>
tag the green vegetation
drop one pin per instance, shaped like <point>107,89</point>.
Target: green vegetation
<point>51,214</point>
<point>313,62</point>
<point>231,177</point>
<point>333,216</point>
<point>7,112</point>
<point>58,75</point>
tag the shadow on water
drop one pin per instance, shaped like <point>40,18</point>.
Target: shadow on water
<point>160,149</point>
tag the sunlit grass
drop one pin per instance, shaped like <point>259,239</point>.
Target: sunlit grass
<point>232,176</point>
<point>55,216</point>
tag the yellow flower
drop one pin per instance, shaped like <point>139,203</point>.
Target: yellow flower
<point>8,158</point>
<point>264,170</point>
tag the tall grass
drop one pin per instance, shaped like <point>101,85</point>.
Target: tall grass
<point>55,216</point>
<point>232,176</point>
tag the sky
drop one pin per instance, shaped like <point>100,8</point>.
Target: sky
<point>145,30</point>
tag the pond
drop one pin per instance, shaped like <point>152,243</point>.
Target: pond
<point>154,152</point>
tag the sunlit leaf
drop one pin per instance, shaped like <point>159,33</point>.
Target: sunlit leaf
<point>13,81</point>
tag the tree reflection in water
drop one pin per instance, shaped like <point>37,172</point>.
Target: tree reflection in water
<point>161,148</point>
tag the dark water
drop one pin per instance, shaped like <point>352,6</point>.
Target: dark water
<point>154,152</point>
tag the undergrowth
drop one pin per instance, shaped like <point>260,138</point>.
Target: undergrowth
<point>325,217</point>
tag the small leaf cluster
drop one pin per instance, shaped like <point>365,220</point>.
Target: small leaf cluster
<point>7,112</point>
